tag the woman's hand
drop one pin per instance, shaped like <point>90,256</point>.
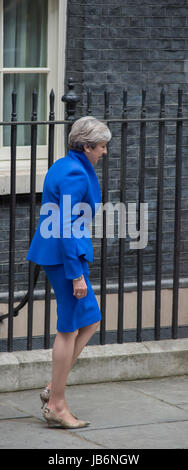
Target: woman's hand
<point>79,288</point>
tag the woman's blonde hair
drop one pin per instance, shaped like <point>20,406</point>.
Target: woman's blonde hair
<point>88,130</point>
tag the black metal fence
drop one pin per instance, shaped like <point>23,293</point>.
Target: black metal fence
<point>124,120</point>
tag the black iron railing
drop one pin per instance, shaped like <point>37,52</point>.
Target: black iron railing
<point>71,100</point>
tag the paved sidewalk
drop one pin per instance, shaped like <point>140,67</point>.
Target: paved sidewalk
<point>141,414</point>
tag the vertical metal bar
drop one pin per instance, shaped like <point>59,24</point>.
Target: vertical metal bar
<point>71,100</point>
<point>159,217</point>
<point>104,239</point>
<point>32,217</point>
<point>12,223</point>
<point>177,224</point>
<point>51,130</point>
<point>89,103</point>
<point>47,314</point>
<point>122,200</point>
<point>141,200</point>
<point>47,284</point>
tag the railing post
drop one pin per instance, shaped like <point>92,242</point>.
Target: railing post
<point>12,223</point>
<point>89,103</point>
<point>71,99</point>
<point>177,219</point>
<point>159,216</point>
<point>104,238</point>
<point>47,283</point>
<point>32,216</point>
<point>51,130</point>
<point>141,200</point>
<point>122,200</point>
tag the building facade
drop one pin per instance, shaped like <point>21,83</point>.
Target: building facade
<point>109,46</point>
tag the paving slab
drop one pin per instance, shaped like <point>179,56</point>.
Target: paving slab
<point>141,414</point>
<point>144,436</point>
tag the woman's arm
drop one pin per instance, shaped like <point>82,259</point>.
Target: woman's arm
<point>73,188</point>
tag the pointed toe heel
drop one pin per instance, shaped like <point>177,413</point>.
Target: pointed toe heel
<point>54,420</point>
<point>44,396</point>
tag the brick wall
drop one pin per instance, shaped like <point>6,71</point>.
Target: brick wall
<point>134,45</point>
<point>21,243</point>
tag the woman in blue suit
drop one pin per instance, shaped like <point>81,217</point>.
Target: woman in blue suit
<point>63,247</point>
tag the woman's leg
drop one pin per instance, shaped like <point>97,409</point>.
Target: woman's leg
<point>62,356</point>
<point>82,338</point>
<point>84,334</point>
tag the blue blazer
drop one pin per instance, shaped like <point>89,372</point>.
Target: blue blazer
<point>72,175</point>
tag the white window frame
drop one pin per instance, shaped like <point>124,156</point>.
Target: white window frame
<point>55,79</point>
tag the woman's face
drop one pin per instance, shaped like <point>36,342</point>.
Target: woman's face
<point>93,155</point>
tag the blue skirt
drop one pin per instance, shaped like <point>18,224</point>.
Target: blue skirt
<point>72,313</point>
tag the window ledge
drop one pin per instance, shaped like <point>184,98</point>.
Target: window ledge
<point>22,179</point>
